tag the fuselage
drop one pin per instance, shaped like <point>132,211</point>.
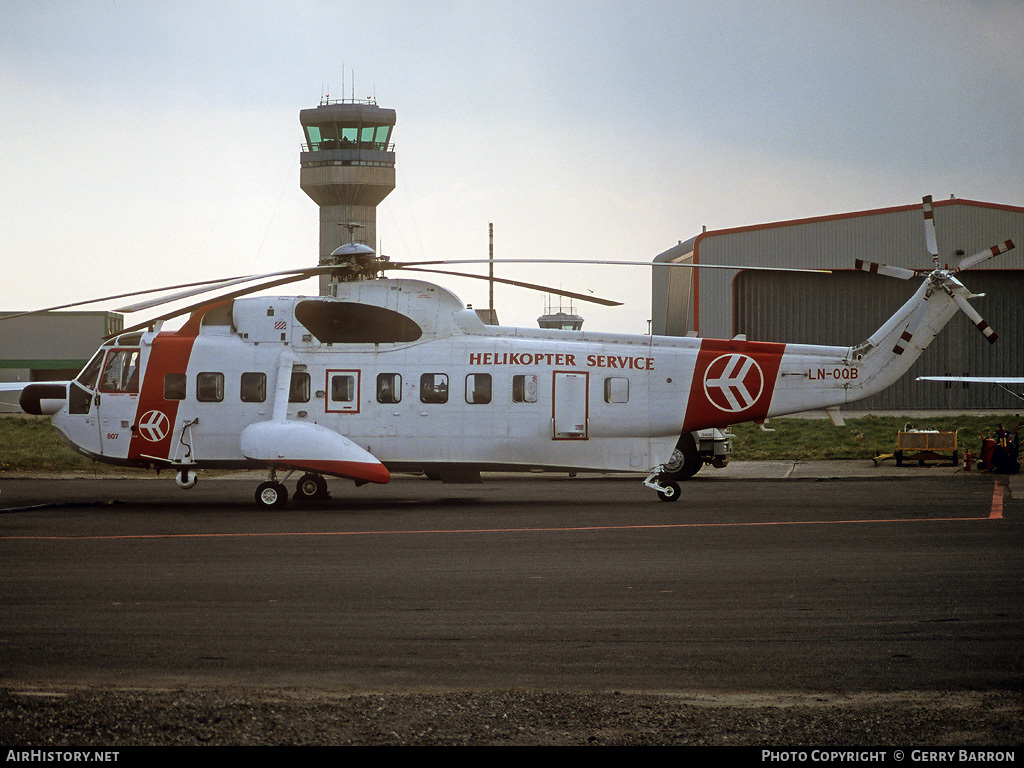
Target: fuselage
<point>403,371</point>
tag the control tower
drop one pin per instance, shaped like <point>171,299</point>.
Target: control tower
<point>557,317</point>
<point>347,166</point>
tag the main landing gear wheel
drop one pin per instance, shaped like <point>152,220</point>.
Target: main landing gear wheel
<point>271,494</point>
<point>671,492</point>
<point>311,486</point>
<point>685,460</point>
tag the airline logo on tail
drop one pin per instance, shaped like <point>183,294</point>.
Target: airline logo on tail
<point>733,383</point>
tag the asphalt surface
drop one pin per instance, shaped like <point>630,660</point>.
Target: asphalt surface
<point>769,592</point>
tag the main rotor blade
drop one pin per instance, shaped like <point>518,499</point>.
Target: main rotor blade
<point>113,298</point>
<point>207,302</point>
<point>569,262</point>
<point>988,253</point>
<point>214,285</point>
<point>220,282</point>
<point>521,284</point>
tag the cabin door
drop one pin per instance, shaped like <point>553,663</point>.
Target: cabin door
<point>569,405</point>
<point>117,398</point>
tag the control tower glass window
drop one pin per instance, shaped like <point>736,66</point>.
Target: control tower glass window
<point>375,135</point>
<point>347,135</point>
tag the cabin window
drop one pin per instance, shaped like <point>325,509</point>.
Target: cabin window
<point>343,389</point>
<point>174,386</point>
<point>299,390</point>
<point>121,373</point>
<point>616,390</point>
<point>389,387</point>
<point>478,388</point>
<point>524,388</point>
<point>253,387</point>
<point>434,388</point>
<point>342,322</point>
<point>210,387</point>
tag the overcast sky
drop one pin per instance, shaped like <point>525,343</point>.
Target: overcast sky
<point>146,143</point>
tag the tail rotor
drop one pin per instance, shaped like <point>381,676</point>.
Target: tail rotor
<point>941,278</point>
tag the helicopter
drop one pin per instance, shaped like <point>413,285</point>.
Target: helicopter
<point>397,375</point>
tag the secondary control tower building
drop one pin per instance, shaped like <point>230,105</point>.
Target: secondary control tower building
<point>347,166</point>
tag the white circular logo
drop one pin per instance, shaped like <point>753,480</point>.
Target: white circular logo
<point>733,383</point>
<point>154,426</point>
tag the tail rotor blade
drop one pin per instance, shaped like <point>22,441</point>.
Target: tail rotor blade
<point>975,318</point>
<point>884,269</point>
<point>988,253</point>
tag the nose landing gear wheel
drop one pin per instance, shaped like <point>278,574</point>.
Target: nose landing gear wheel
<point>271,494</point>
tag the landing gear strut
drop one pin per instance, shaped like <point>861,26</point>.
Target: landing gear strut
<point>683,465</point>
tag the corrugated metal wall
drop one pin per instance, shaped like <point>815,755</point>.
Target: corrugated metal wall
<point>846,307</point>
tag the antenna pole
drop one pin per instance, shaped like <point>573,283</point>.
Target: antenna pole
<point>490,264</point>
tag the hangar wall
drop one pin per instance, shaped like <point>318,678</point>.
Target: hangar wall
<point>844,308</point>
<point>51,346</point>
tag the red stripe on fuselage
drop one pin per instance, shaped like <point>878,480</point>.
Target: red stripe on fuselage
<point>733,382</point>
<point>169,353</point>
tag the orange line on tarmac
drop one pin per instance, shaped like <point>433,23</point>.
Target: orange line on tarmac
<point>997,502</point>
<point>414,532</point>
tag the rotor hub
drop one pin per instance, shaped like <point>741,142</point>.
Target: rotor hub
<point>354,261</point>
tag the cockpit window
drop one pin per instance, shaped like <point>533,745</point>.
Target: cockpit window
<point>339,322</point>
<point>91,373</point>
<point>121,373</point>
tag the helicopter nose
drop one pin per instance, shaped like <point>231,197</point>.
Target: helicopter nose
<point>43,398</point>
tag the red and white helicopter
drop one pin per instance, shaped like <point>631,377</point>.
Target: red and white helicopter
<point>397,375</point>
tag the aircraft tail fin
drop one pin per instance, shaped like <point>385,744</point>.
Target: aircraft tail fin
<point>889,352</point>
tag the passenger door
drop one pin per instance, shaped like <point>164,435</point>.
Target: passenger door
<point>570,406</point>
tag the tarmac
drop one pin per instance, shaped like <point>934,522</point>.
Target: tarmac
<point>853,469</point>
<point>864,469</point>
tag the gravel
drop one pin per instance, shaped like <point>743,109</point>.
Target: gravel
<point>104,717</point>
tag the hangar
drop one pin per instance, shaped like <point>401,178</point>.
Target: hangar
<point>51,346</point>
<point>848,305</point>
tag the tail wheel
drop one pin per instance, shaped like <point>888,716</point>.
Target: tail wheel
<point>311,486</point>
<point>671,492</point>
<point>271,494</point>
